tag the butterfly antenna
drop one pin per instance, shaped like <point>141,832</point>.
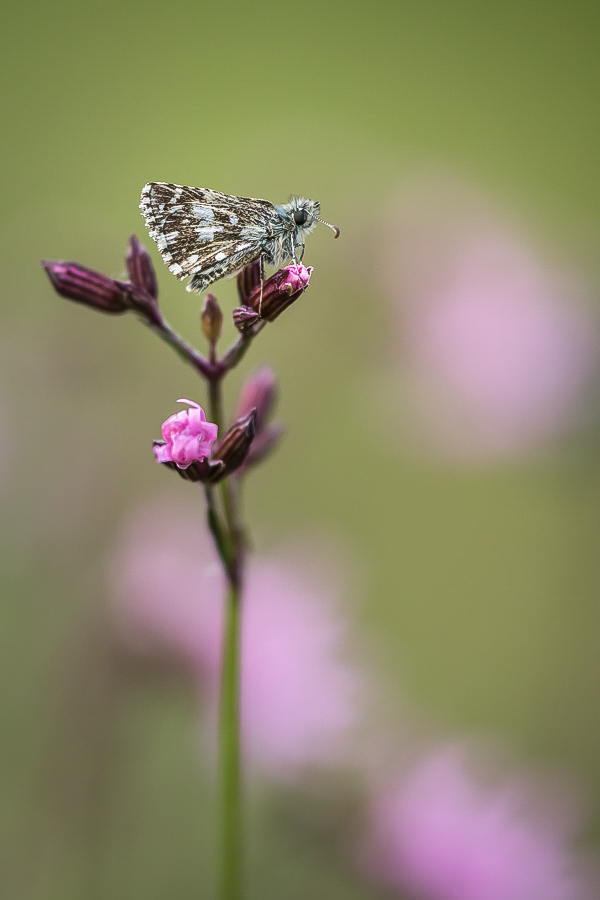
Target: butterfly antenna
<point>334,228</point>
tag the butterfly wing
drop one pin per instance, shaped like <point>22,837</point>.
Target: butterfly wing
<point>204,233</point>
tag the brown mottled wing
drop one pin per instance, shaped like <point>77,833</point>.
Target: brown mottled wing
<point>204,233</point>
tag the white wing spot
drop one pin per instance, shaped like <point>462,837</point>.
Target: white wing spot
<point>176,269</point>
<point>161,242</point>
<point>233,219</point>
<point>193,258</point>
<point>205,234</point>
<point>220,255</point>
<point>202,211</point>
<point>172,236</point>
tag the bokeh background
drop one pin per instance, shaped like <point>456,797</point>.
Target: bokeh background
<point>456,145</point>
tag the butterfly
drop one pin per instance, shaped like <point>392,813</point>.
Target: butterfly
<point>206,235</point>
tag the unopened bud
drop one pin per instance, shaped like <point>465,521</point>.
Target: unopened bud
<point>234,447</point>
<point>140,268</point>
<point>263,444</point>
<point>280,291</point>
<point>244,317</point>
<point>76,282</point>
<point>259,391</point>
<point>211,319</point>
<point>247,280</point>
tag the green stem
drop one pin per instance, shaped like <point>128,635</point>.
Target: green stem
<point>229,752</point>
<point>220,535</point>
<point>229,714</point>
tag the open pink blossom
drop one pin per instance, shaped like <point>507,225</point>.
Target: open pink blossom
<point>188,437</point>
<point>497,347</point>
<point>299,696</point>
<point>441,836</point>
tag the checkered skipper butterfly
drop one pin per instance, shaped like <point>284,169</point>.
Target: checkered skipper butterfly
<point>208,235</point>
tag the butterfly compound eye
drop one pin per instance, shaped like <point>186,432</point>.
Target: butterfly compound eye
<point>300,216</point>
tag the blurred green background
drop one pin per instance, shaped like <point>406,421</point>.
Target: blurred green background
<point>479,587</point>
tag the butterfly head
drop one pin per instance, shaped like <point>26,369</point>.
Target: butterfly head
<point>303,215</point>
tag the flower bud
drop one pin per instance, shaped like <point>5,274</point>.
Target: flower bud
<point>244,317</point>
<point>259,391</point>
<point>263,444</point>
<point>234,447</point>
<point>211,319</point>
<point>76,282</point>
<point>280,291</point>
<point>140,268</point>
<point>247,280</point>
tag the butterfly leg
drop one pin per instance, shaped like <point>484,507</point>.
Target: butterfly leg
<point>261,260</point>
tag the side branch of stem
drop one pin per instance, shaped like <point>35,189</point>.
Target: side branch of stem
<point>211,369</point>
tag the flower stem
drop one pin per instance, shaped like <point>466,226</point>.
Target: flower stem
<point>229,713</point>
<point>181,347</point>
<point>220,535</point>
<point>229,752</point>
<point>238,350</point>
<point>215,397</point>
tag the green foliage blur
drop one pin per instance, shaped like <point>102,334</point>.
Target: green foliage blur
<point>480,587</point>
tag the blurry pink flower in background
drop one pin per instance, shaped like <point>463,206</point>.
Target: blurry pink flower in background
<point>497,348</point>
<point>442,836</point>
<point>299,699</point>
<point>166,579</point>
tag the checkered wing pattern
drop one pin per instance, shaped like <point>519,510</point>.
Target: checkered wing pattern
<point>203,233</point>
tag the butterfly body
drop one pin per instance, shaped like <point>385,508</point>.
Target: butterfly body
<point>206,235</point>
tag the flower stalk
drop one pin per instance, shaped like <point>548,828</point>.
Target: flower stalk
<point>206,451</point>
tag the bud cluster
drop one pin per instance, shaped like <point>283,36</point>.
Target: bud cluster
<point>109,295</point>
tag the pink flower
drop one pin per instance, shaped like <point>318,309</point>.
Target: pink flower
<point>296,277</point>
<point>188,437</point>
<point>444,837</point>
<point>299,696</point>
<point>280,291</point>
<point>497,347</point>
